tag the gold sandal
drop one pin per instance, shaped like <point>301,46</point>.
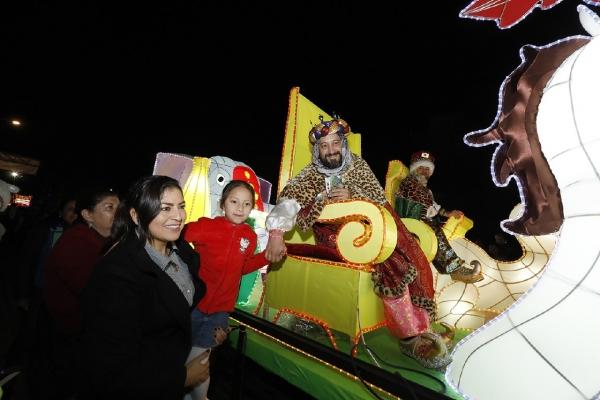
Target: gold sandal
<point>448,334</point>
<point>468,275</point>
<point>428,349</point>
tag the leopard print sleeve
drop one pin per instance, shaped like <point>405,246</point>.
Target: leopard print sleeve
<point>362,182</point>
<point>305,188</point>
<point>309,183</point>
<point>309,214</point>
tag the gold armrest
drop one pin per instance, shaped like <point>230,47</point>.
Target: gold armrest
<point>368,233</point>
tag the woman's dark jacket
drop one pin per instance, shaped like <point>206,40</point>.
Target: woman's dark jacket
<point>136,326</point>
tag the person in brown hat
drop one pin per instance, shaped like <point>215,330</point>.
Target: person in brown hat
<point>415,200</point>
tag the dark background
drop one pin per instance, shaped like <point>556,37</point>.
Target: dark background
<point>102,87</point>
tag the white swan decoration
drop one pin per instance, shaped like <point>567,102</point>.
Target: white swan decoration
<point>546,345</point>
<point>471,305</point>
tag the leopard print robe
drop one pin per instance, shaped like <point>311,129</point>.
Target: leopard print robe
<point>411,189</point>
<point>446,260</point>
<point>406,268</point>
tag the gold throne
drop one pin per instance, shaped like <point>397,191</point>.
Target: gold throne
<point>337,295</point>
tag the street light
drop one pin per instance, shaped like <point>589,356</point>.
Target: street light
<point>15,122</point>
<point>14,175</point>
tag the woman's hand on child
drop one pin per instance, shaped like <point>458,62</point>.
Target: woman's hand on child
<point>197,370</point>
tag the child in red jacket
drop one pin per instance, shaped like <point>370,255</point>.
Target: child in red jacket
<point>226,246</point>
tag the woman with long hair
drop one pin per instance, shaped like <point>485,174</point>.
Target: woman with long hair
<point>136,307</point>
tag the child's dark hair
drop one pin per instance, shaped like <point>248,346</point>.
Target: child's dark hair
<point>236,184</point>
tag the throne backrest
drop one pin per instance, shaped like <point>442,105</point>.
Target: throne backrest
<point>396,172</point>
<point>297,150</point>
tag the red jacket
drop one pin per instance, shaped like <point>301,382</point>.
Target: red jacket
<point>226,253</point>
<point>68,269</point>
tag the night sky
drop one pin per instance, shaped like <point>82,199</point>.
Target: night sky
<point>101,87</point>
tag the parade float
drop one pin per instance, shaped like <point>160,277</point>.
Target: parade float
<point>521,332</point>
<point>337,344</point>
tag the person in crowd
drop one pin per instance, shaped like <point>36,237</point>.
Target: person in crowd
<point>404,281</point>
<point>36,247</point>
<point>226,245</point>
<point>67,270</point>
<point>29,259</point>
<point>6,192</point>
<point>8,308</point>
<point>136,307</point>
<point>504,250</point>
<point>415,200</point>
<point>56,225</point>
<point>70,262</point>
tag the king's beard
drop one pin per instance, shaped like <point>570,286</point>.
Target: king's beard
<point>332,161</point>
<point>421,179</point>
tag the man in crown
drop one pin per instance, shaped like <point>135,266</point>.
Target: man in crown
<point>404,281</point>
<point>415,200</point>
